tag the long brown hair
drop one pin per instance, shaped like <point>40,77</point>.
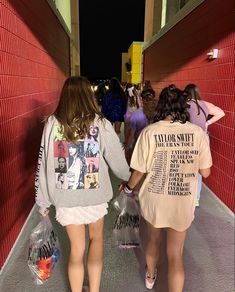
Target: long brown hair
<point>172,102</point>
<point>77,108</point>
<point>149,103</point>
<point>193,93</point>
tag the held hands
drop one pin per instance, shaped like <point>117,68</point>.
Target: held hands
<point>44,212</point>
<point>123,187</point>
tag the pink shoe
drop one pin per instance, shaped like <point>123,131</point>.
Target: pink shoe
<point>149,282</point>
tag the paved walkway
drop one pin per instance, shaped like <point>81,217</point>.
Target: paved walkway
<point>208,255</point>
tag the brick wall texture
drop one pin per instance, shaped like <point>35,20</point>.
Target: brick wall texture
<point>34,61</point>
<point>180,57</point>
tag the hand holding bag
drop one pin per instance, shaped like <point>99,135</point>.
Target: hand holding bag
<point>44,251</point>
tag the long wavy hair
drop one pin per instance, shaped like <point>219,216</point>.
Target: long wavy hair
<point>100,92</point>
<point>116,89</point>
<point>172,102</point>
<point>193,93</point>
<point>149,103</point>
<point>77,108</point>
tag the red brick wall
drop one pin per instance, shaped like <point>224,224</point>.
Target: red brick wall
<point>180,57</point>
<point>34,61</point>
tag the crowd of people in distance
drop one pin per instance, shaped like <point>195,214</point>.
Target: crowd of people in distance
<point>165,154</point>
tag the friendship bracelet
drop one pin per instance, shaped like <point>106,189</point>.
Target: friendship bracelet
<point>127,189</point>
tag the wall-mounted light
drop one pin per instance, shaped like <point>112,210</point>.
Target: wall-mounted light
<point>213,54</point>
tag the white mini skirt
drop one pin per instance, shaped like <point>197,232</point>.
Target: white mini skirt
<point>81,215</point>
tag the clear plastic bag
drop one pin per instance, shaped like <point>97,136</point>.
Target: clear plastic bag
<point>127,223</point>
<point>44,251</point>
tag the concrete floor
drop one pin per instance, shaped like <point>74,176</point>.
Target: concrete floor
<point>208,256</point>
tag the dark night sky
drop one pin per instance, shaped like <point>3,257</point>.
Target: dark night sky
<point>107,29</point>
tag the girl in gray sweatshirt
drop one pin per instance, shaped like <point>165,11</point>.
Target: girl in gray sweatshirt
<point>77,149</point>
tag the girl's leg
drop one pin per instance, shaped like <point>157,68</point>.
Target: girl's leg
<point>117,127</point>
<point>76,234</point>
<point>152,249</point>
<point>199,189</point>
<point>175,244</point>
<point>126,126</point>
<point>95,254</point>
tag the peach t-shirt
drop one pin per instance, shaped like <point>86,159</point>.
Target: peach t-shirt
<point>171,155</point>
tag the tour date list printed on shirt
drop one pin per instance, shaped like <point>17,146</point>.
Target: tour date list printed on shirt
<point>174,168</point>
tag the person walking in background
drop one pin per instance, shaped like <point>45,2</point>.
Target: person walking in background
<point>132,106</point>
<point>203,114</point>
<point>169,153</point>
<point>85,203</point>
<point>100,93</point>
<point>147,84</point>
<point>212,112</point>
<point>142,117</point>
<point>115,104</point>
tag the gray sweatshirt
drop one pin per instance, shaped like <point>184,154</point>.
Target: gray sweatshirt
<point>70,175</point>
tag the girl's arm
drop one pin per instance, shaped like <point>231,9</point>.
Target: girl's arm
<point>205,172</point>
<point>112,151</point>
<point>215,111</point>
<point>135,178</point>
<point>41,179</point>
<point>133,181</point>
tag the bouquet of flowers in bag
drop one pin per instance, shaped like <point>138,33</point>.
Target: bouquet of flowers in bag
<point>44,251</point>
<point>127,223</point>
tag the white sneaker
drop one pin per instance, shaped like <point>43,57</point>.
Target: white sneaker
<point>149,284</point>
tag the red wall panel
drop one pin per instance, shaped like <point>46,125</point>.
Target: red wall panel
<point>34,55</point>
<point>210,25</point>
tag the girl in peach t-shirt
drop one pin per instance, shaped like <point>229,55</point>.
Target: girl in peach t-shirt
<point>170,154</point>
